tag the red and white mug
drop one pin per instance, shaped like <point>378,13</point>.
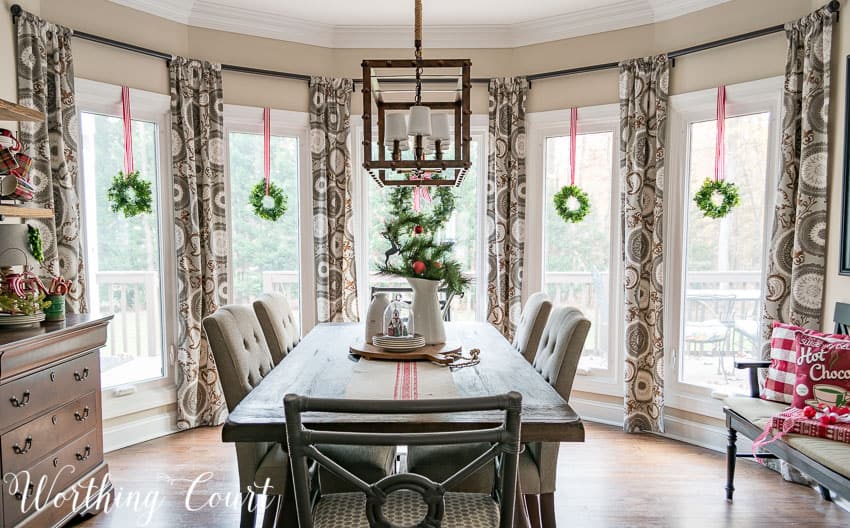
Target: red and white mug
<point>8,140</point>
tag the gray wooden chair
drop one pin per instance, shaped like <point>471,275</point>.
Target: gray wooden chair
<point>243,359</point>
<point>278,323</point>
<point>532,321</point>
<point>557,361</point>
<point>404,499</point>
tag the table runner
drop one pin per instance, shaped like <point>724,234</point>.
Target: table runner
<point>400,380</point>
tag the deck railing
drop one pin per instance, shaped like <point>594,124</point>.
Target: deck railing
<point>133,297</point>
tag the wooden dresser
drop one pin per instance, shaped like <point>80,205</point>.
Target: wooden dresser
<point>51,431</point>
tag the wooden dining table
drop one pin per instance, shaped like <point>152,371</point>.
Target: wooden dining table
<point>321,366</point>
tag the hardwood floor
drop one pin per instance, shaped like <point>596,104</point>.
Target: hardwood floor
<point>612,480</point>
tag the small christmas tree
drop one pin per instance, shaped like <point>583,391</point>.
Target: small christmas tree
<point>414,249</point>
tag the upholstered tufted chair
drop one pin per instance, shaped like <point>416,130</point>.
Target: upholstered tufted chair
<point>556,360</point>
<point>532,321</point>
<point>243,360</point>
<point>278,323</point>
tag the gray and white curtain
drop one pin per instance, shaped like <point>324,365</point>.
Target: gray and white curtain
<point>46,83</point>
<point>197,147</point>
<point>506,202</point>
<point>643,125</point>
<point>796,266</point>
<point>333,213</point>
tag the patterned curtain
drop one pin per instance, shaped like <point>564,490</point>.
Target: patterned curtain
<point>643,124</point>
<point>796,267</point>
<point>197,135</point>
<point>333,214</point>
<point>506,202</point>
<point>46,83</point>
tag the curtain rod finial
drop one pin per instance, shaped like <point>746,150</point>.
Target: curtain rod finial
<point>834,6</point>
<point>16,12</point>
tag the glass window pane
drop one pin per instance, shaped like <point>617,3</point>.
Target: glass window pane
<point>265,253</point>
<point>576,255</point>
<point>460,228</point>
<point>124,258</point>
<point>724,256</point>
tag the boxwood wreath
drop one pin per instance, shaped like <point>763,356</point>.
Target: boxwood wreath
<point>572,204</point>
<point>268,207</point>
<point>717,197</point>
<point>412,239</point>
<point>130,194</point>
<point>36,246</point>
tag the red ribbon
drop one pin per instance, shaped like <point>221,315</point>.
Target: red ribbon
<point>573,136</point>
<point>720,146</point>
<point>420,192</point>
<point>128,130</point>
<point>267,148</point>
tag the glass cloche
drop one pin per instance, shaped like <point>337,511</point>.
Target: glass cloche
<point>398,319</point>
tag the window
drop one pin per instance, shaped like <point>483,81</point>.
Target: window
<point>124,261</point>
<point>577,264</point>
<point>465,228</point>
<point>265,254</point>
<point>718,265</point>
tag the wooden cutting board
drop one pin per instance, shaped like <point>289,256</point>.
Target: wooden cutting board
<point>443,353</point>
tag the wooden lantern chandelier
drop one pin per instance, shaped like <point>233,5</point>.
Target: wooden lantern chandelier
<point>416,100</point>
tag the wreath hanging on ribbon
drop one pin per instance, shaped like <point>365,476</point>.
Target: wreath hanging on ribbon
<point>129,193</point>
<point>268,205</point>
<point>267,199</point>
<point>571,203</point>
<point>717,197</point>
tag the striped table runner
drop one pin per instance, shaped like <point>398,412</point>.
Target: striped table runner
<point>400,380</point>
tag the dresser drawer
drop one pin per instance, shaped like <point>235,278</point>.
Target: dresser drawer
<point>35,393</point>
<point>21,447</point>
<point>51,475</point>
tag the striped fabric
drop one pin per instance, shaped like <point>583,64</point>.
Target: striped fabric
<point>406,381</point>
<point>781,375</point>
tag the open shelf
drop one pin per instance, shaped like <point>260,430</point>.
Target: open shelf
<point>10,111</point>
<point>21,211</point>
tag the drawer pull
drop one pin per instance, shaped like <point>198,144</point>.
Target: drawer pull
<point>81,377</point>
<point>20,496</point>
<point>85,455</point>
<point>22,450</point>
<point>82,417</point>
<point>25,399</point>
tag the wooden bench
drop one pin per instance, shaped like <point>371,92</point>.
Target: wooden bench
<point>827,462</point>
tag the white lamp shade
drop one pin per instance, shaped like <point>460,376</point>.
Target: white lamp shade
<point>420,121</point>
<point>440,126</point>
<point>395,128</point>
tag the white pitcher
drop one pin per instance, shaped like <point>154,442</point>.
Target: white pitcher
<point>375,315</point>
<point>426,310</point>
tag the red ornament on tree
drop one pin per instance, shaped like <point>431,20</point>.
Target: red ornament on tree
<point>418,229</point>
<point>418,267</point>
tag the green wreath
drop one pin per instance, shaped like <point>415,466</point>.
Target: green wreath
<point>572,204</point>
<point>716,198</point>
<point>36,246</point>
<point>130,194</point>
<point>269,207</point>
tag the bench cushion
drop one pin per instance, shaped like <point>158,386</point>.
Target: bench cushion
<point>756,410</point>
<point>829,453</point>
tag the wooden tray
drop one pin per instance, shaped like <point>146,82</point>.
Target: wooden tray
<point>441,353</point>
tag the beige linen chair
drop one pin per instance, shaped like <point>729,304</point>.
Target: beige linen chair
<point>532,321</point>
<point>243,360</point>
<point>278,323</point>
<point>282,334</point>
<point>556,360</point>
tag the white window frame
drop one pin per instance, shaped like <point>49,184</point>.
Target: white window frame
<point>362,210</point>
<point>543,125</point>
<point>249,119</point>
<point>764,95</point>
<point>105,99</point>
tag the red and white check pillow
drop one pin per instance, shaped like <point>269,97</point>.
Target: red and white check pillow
<point>782,373</point>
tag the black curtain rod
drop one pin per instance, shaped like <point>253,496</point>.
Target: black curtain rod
<point>833,6</point>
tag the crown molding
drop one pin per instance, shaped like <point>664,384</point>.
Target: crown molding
<point>211,14</point>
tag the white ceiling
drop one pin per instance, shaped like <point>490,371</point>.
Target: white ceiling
<point>388,23</point>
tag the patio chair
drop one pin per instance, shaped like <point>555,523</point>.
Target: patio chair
<point>710,321</point>
<point>278,323</point>
<point>404,499</point>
